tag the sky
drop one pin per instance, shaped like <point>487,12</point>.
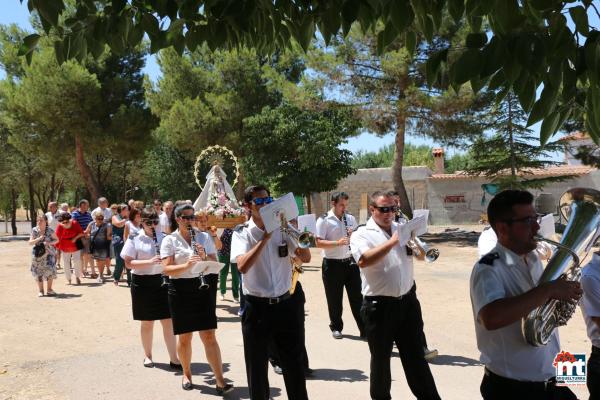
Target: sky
<point>15,12</point>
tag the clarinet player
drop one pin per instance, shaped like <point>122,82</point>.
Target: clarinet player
<point>149,299</point>
<point>193,309</point>
<point>339,270</point>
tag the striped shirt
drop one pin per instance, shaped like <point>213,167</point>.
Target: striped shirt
<point>83,219</point>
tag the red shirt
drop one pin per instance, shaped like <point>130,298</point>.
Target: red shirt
<point>66,235</point>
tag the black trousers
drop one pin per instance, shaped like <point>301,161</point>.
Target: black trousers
<point>300,299</point>
<point>338,274</point>
<point>593,374</point>
<point>262,324</point>
<point>495,387</point>
<point>390,320</point>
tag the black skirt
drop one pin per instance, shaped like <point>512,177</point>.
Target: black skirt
<point>149,300</point>
<point>193,309</point>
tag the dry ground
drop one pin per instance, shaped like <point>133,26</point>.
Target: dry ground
<point>83,344</point>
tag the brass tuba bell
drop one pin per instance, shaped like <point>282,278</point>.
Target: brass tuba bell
<point>581,207</point>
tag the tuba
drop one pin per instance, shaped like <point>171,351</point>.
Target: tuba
<point>581,207</point>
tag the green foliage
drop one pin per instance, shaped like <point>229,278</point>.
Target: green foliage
<point>297,150</point>
<point>530,43</point>
<point>510,153</point>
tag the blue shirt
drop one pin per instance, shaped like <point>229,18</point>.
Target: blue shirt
<point>83,219</point>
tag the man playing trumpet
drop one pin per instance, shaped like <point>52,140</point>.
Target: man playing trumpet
<point>390,310</point>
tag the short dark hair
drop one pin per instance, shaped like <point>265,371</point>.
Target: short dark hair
<point>380,193</point>
<point>337,196</point>
<point>149,213</point>
<point>501,206</point>
<point>63,216</point>
<point>181,208</point>
<point>133,213</point>
<point>83,201</point>
<point>250,190</point>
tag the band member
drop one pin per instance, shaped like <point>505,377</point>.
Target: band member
<point>192,309</point>
<point>503,291</point>
<point>149,298</point>
<point>270,314</point>
<point>390,309</point>
<point>590,283</point>
<point>400,218</point>
<point>339,269</point>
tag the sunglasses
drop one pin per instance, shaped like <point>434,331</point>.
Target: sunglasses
<point>150,222</point>
<point>188,217</point>
<point>530,220</point>
<point>386,209</point>
<point>99,218</point>
<point>259,201</point>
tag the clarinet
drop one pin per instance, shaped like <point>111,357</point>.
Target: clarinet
<point>165,278</point>
<point>346,228</point>
<point>203,284</point>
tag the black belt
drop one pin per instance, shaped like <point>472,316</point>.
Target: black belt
<point>269,300</point>
<point>382,299</point>
<point>543,385</point>
<point>341,260</point>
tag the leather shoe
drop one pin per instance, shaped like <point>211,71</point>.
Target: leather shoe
<point>176,367</point>
<point>187,385</point>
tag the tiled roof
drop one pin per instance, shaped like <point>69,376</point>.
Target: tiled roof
<point>539,172</point>
<point>573,136</point>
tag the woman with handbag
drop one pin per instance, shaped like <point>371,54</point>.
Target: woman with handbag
<point>118,241</point>
<point>69,235</point>
<point>43,263</point>
<point>100,234</point>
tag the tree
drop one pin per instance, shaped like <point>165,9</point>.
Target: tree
<point>530,42</point>
<point>391,93</point>
<point>96,109</point>
<point>510,149</point>
<point>297,150</point>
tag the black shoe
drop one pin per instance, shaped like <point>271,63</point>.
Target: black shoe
<point>308,371</point>
<point>176,367</point>
<point>225,389</point>
<point>148,363</point>
<point>187,385</point>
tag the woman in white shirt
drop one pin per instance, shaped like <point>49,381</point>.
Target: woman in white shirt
<point>149,299</point>
<point>192,309</point>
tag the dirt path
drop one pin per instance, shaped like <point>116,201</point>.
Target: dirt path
<point>84,345</point>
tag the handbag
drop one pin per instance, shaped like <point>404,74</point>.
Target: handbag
<point>39,249</point>
<point>79,244</point>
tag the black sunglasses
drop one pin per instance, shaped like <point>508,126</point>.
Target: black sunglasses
<point>188,217</point>
<point>259,201</point>
<point>530,220</point>
<point>387,209</point>
<point>151,222</point>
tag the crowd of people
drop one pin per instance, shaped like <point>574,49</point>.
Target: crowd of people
<point>159,246</point>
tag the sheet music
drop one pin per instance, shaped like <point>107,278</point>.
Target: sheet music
<point>308,221</point>
<point>416,226</point>
<point>207,267</point>
<point>270,213</point>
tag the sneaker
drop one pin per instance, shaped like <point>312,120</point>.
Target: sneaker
<point>222,297</point>
<point>277,369</point>
<point>236,300</point>
<point>225,389</point>
<point>336,334</point>
<point>40,294</point>
<point>430,354</point>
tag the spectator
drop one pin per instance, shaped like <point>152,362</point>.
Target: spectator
<point>51,215</point>
<point>118,241</point>
<point>224,258</point>
<point>134,224</point>
<point>68,233</point>
<point>64,207</point>
<point>100,234</point>
<point>113,209</point>
<point>165,217</point>
<point>43,266</point>
<point>103,208</point>
<point>83,218</point>
<point>140,205</point>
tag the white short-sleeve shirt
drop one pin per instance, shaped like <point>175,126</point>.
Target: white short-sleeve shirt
<point>590,304</point>
<point>164,222</point>
<point>330,227</point>
<point>142,247</point>
<point>107,212</point>
<point>175,245</point>
<point>393,274</point>
<point>271,275</point>
<point>52,221</point>
<point>501,274</point>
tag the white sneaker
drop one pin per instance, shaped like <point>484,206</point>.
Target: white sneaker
<point>236,300</point>
<point>430,354</point>
<point>336,334</point>
<point>222,297</point>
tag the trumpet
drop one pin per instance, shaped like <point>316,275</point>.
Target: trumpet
<point>300,239</point>
<point>422,251</point>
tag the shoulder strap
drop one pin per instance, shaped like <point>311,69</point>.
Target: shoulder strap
<point>489,258</point>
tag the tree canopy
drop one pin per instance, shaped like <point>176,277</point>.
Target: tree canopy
<point>525,45</point>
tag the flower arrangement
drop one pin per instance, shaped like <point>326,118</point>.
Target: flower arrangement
<point>221,206</point>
